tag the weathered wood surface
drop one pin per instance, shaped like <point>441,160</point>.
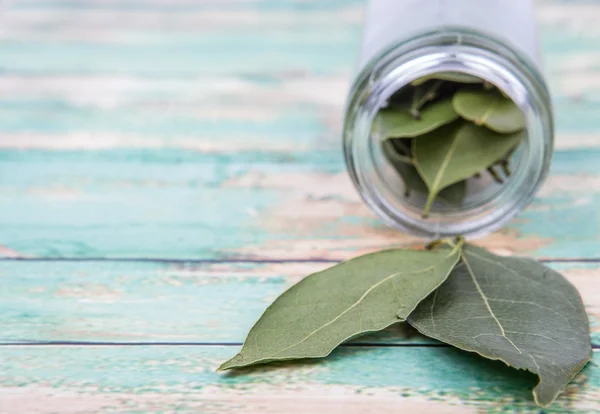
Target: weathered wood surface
<point>210,130</point>
<point>217,127</point>
<point>180,204</point>
<point>132,302</point>
<point>357,380</point>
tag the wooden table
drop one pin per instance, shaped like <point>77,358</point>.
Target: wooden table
<point>168,167</point>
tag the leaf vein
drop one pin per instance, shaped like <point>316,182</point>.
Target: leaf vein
<point>445,163</point>
<point>518,274</point>
<point>540,335</point>
<point>525,302</point>
<point>486,115</point>
<point>485,301</point>
<point>355,304</point>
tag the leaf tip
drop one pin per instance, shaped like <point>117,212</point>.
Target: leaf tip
<point>539,402</point>
<point>223,367</point>
<point>231,363</point>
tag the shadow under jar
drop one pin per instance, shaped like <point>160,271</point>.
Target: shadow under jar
<point>406,40</point>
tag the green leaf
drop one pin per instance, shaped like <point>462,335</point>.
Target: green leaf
<point>401,146</point>
<point>452,196</point>
<point>395,154</point>
<point>491,109</point>
<point>363,295</point>
<point>394,123</point>
<point>457,152</point>
<point>422,95</point>
<point>448,76</point>
<point>512,309</point>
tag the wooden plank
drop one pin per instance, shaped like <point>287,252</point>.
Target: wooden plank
<point>110,101</point>
<point>194,205</point>
<point>216,303</point>
<point>73,45</point>
<point>133,302</point>
<point>158,127</point>
<point>352,380</point>
<point>183,129</point>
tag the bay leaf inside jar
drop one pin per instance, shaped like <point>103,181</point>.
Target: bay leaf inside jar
<point>412,116</point>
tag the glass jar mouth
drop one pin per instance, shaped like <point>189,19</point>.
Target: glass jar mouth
<point>448,50</point>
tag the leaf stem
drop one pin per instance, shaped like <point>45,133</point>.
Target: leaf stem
<point>506,168</point>
<point>495,175</point>
<point>421,97</point>
<point>456,244</point>
<point>428,205</point>
<point>435,244</point>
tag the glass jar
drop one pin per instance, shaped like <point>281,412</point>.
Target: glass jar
<point>404,40</point>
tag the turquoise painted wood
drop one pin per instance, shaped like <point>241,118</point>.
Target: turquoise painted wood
<point>353,380</point>
<point>194,205</point>
<point>189,111</point>
<point>132,302</point>
<point>210,130</point>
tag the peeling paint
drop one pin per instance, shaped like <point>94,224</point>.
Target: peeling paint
<point>7,252</point>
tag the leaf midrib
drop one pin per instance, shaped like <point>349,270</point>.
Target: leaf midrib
<point>367,292</point>
<point>445,163</point>
<point>486,115</point>
<point>520,276</point>
<point>355,304</point>
<point>486,302</point>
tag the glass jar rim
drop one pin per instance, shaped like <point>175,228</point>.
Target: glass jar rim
<point>449,49</point>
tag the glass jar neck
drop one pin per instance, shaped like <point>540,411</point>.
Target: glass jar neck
<point>448,50</point>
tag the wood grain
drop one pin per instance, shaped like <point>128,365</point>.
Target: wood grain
<point>210,130</point>
<point>186,204</point>
<point>356,380</point>
<point>217,128</point>
<point>132,302</point>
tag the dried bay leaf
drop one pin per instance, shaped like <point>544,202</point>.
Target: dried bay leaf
<point>396,154</point>
<point>489,108</point>
<point>394,123</point>
<point>422,95</point>
<point>401,146</point>
<point>511,309</point>
<point>457,152</point>
<point>362,295</point>
<point>453,195</point>
<point>448,76</point>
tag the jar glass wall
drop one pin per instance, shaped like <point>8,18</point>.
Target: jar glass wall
<point>447,50</point>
